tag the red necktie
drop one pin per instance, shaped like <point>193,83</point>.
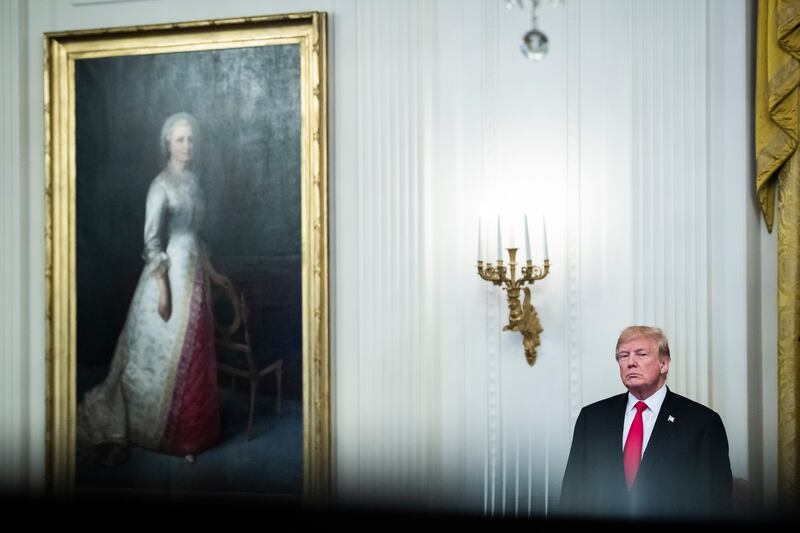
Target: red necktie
<point>633,445</point>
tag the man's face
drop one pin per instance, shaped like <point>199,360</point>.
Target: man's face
<point>642,371</point>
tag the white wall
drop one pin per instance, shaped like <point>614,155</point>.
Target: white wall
<point>18,430</point>
<point>633,136</point>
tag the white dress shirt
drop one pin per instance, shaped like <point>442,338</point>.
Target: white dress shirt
<point>649,415</point>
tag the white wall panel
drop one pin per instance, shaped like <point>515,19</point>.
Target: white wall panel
<point>733,228</point>
<point>670,189</point>
<point>572,220</point>
<point>604,194</point>
<point>458,187</point>
<point>13,326</point>
<point>395,359</point>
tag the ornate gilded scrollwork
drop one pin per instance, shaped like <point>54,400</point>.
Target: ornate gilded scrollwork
<point>522,317</point>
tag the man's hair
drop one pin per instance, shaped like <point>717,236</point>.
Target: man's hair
<point>655,334</point>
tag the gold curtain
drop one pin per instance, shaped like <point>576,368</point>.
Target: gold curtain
<point>777,114</point>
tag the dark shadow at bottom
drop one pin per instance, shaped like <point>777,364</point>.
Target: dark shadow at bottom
<point>158,512</point>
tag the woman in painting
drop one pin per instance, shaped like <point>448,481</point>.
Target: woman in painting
<point>161,389</point>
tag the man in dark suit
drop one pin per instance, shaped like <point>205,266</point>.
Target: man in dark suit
<point>647,453</point>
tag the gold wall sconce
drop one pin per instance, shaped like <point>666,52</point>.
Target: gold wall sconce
<point>522,317</point>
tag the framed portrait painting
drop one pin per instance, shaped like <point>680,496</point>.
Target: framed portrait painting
<point>187,264</point>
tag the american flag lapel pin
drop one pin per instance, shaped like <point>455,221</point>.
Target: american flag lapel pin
<point>671,418</point>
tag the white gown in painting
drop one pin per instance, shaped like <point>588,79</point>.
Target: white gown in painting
<point>161,390</point>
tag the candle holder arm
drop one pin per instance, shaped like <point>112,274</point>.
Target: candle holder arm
<point>497,275</point>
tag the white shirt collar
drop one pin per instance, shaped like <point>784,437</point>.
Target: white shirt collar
<point>653,402</point>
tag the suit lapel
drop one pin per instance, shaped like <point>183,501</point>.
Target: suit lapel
<point>662,430</point>
<point>614,437</point>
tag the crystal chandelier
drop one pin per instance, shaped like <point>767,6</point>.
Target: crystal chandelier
<point>534,43</point>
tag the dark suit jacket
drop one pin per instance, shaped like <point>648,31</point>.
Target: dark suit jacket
<point>685,471</point>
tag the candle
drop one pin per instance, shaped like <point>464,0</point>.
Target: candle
<point>544,233</point>
<point>527,241</point>
<point>480,243</point>
<point>499,241</point>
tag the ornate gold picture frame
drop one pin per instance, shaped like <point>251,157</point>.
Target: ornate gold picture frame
<point>238,235</point>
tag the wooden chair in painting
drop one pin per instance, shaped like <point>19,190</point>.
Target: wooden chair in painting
<point>235,355</point>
